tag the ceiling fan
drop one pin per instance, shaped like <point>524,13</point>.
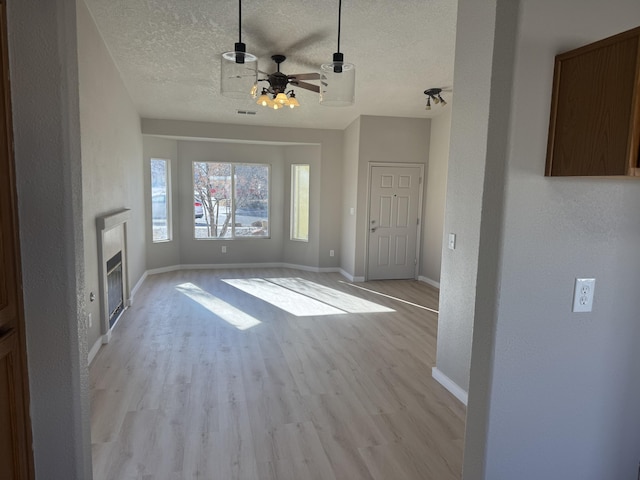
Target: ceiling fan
<point>278,83</point>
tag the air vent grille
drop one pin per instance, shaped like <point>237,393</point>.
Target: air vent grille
<point>246,112</point>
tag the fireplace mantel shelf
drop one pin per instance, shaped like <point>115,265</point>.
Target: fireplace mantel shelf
<point>107,222</point>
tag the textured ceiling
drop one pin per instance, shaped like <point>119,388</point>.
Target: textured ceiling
<point>168,52</point>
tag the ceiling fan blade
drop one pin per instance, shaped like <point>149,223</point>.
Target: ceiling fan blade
<point>310,39</point>
<point>305,76</point>
<point>301,61</point>
<point>307,86</point>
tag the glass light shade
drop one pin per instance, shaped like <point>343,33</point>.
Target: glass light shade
<point>282,99</point>
<point>238,74</point>
<point>264,100</point>
<point>293,102</point>
<point>337,84</point>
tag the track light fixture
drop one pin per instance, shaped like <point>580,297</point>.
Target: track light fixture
<point>435,95</point>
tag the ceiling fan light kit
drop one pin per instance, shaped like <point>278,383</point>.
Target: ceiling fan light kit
<point>239,77</point>
<point>338,79</point>
<point>238,69</point>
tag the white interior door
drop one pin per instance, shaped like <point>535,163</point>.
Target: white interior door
<point>394,218</point>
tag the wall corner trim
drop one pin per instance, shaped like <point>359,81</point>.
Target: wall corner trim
<point>450,385</point>
<point>428,281</point>
<point>94,350</point>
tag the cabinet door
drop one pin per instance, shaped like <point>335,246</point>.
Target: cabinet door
<point>594,127</point>
<point>16,461</point>
<point>13,458</point>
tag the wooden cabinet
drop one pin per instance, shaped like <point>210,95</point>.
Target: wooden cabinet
<point>16,461</point>
<point>595,109</point>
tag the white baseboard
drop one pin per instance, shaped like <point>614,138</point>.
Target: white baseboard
<point>450,385</point>
<point>428,281</point>
<point>94,350</point>
<point>137,286</point>
<point>221,266</point>
<point>350,277</point>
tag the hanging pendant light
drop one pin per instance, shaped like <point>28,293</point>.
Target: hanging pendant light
<point>338,79</point>
<point>239,69</point>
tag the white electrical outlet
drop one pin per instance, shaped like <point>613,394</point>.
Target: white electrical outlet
<point>583,294</point>
<point>224,249</point>
<point>332,253</point>
<point>452,241</point>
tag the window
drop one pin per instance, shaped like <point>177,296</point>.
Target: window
<point>300,202</point>
<point>160,200</point>
<point>234,199</point>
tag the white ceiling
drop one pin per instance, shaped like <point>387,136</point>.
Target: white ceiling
<point>168,53</point>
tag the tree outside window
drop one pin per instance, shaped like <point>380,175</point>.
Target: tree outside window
<point>235,199</point>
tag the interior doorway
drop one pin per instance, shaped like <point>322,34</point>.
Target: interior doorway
<point>395,209</point>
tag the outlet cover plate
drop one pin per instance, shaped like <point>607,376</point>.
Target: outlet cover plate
<point>583,294</point>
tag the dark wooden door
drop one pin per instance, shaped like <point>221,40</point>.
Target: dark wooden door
<point>16,459</point>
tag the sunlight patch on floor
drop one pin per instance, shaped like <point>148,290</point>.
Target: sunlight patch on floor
<point>291,302</point>
<point>390,296</point>
<point>227,312</point>
<point>344,301</point>
<point>304,298</point>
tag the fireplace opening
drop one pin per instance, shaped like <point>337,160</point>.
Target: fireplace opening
<point>115,292</point>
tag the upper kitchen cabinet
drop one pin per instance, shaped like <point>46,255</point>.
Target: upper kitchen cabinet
<point>595,109</point>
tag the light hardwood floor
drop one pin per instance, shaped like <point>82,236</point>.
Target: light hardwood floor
<point>203,379</point>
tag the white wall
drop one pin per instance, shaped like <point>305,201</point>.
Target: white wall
<point>468,147</point>
<point>246,250</point>
<point>384,139</point>
<point>111,143</point>
<point>435,195</point>
<point>298,252</point>
<point>162,254</point>
<point>553,394</point>
<point>44,79</point>
<point>278,146</point>
<point>350,160</point>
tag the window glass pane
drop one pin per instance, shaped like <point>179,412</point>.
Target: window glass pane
<point>160,205</point>
<point>251,200</point>
<point>245,213</point>
<point>300,202</point>
<point>212,190</point>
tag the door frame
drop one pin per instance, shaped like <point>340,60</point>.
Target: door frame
<point>370,167</point>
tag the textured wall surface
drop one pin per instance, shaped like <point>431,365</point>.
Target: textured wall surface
<point>171,50</point>
<point>435,196</point>
<point>553,394</point>
<point>44,82</point>
<point>111,151</point>
<point>469,125</point>
<point>564,390</point>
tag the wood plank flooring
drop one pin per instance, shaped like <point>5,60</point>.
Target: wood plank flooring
<point>205,378</point>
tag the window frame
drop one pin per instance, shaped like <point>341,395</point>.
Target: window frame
<point>294,205</point>
<point>232,174</point>
<point>167,199</point>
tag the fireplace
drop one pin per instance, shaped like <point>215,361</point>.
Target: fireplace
<point>115,295</point>
<point>112,266</point>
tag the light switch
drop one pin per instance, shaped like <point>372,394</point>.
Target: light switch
<point>452,241</point>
